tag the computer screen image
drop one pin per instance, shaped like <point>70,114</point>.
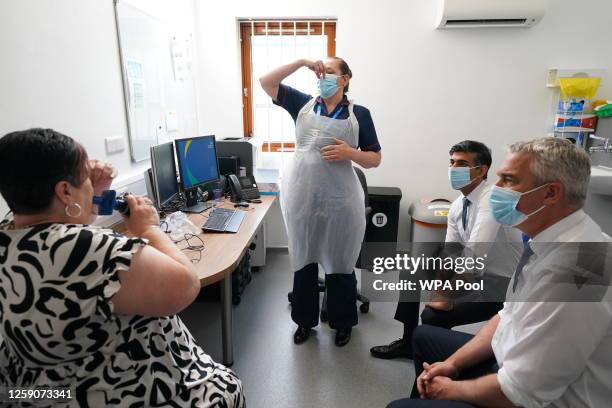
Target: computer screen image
<point>197,160</point>
<point>164,173</point>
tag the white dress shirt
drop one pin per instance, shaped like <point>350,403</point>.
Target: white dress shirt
<point>481,225</point>
<point>553,353</point>
<point>483,234</point>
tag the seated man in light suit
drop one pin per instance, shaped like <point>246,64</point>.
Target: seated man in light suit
<point>470,224</point>
<point>539,350</point>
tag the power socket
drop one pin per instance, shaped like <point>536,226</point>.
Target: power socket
<point>114,144</point>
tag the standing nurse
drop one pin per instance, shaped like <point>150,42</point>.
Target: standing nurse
<point>321,197</point>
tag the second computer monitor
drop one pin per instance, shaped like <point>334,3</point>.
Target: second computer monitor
<point>164,173</point>
<point>197,160</point>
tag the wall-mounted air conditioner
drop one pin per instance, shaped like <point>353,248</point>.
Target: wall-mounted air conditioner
<point>489,13</point>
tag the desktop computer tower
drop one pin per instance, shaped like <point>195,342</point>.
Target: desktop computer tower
<point>241,148</point>
<point>229,165</point>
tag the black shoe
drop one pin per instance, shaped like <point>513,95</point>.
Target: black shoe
<point>343,336</point>
<point>396,349</point>
<point>301,335</point>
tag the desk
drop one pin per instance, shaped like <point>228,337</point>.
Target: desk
<point>221,255</point>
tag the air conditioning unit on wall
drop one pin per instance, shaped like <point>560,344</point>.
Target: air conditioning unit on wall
<point>489,13</point>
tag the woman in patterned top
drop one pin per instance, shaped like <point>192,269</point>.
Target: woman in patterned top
<point>86,308</point>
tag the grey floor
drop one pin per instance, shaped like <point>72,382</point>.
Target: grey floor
<point>277,373</point>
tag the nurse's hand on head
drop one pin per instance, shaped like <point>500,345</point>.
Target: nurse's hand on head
<point>338,152</point>
<point>318,67</point>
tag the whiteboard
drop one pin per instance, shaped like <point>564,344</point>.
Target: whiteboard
<point>158,80</point>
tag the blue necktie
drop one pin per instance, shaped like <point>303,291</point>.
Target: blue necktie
<point>527,252</point>
<point>464,213</point>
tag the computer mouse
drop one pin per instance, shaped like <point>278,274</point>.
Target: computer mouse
<point>241,204</point>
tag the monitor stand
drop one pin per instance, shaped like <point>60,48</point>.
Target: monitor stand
<point>192,205</point>
<point>197,207</point>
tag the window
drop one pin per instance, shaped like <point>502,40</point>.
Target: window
<point>269,44</point>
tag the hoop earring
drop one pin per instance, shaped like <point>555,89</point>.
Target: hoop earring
<point>67,210</point>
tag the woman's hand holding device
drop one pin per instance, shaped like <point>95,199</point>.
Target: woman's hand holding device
<point>143,215</point>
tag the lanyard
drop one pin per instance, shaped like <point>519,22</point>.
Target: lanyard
<point>335,114</point>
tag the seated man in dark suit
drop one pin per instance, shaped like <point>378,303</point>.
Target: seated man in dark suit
<point>471,224</point>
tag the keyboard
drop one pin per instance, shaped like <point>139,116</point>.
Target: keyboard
<point>224,220</point>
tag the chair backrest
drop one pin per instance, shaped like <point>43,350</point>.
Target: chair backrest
<point>364,185</point>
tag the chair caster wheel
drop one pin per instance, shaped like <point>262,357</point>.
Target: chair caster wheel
<point>364,308</point>
<point>324,317</point>
<point>236,300</point>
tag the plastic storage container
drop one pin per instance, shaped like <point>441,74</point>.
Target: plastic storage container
<point>428,220</point>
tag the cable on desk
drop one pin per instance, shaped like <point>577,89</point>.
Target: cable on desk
<point>199,248</point>
<point>164,229</point>
<point>173,206</point>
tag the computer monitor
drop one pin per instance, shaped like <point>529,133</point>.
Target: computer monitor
<point>164,174</point>
<point>197,161</point>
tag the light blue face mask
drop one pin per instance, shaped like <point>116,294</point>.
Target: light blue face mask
<point>503,204</point>
<point>459,177</point>
<point>328,86</point>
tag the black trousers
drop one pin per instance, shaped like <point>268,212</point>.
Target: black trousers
<point>341,298</point>
<point>408,313</point>
<point>407,310</point>
<point>431,344</point>
<point>462,313</point>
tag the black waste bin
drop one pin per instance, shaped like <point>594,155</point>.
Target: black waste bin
<point>383,220</point>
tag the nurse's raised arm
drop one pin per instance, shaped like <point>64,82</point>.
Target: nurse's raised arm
<point>272,79</point>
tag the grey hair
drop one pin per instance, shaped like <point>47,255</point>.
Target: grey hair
<point>557,159</point>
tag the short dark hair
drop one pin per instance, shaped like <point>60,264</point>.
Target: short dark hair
<point>32,162</point>
<point>344,68</point>
<point>482,152</point>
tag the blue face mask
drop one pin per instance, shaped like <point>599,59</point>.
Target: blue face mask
<point>459,177</point>
<point>503,204</point>
<point>328,86</point>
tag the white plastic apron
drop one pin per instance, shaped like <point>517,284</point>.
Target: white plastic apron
<point>323,203</point>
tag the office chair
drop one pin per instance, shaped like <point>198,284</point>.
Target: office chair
<point>365,302</point>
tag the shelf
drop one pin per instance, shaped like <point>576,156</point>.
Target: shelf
<point>571,129</point>
<point>553,75</point>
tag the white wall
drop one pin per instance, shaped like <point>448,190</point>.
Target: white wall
<point>60,69</point>
<point>426,89</point>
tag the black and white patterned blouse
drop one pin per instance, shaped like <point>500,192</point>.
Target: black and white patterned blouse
<point>59,329</point>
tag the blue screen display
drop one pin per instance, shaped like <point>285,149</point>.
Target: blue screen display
<point>197,160</point>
